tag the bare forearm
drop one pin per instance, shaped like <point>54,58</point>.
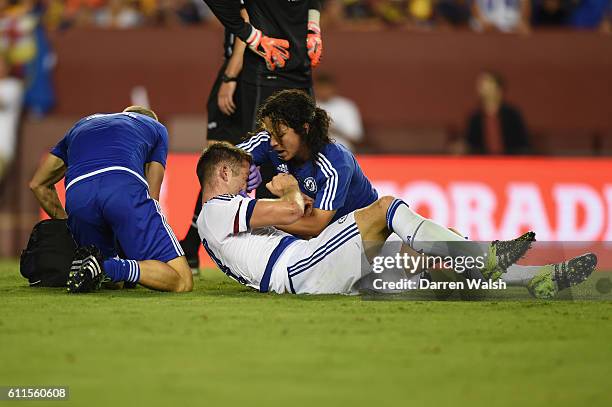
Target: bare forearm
<point>50,202</point>
<point>43,186</point>
<point>234,66</point>
<point>310,226</point>
<point>294,196</point>
<point>154,190</point>
<point>306,227</point>
<point>285,210</point>
<point>292,210</point>
<point>154,173</point>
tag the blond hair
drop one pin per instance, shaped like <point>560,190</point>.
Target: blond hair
<point>142,110</point>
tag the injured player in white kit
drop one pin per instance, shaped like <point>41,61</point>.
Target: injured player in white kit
<point>244,237</point>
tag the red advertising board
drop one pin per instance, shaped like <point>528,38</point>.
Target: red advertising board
<point>485,198</point>
<point>496,198</point>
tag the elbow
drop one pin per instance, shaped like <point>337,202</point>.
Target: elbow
<point>34,186</point>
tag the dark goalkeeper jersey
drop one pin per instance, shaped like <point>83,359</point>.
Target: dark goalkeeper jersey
<point>229,38</point>
<point>286,19</point>
<point>228,12</point>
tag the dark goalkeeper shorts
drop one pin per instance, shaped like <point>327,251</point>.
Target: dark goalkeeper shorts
<point>221,126</point>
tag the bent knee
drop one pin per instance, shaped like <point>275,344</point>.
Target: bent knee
<point>185,280</point>
<point>184,287</point>
<point>384,202</point>
<point>185,284</point>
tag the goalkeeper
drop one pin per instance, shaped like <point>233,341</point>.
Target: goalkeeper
<point>258,78</point>
<point>274,51</point>
<point>297,21</point>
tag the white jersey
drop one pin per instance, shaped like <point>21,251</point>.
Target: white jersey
<point>248,256</point>
<point>269,259</point>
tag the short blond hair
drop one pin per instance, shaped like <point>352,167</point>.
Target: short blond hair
<point>142,110</point>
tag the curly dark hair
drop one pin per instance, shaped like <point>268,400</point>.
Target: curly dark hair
<point>294,108</point>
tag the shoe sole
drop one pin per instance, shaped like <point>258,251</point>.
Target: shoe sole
<point>564,276</point>
<point>575,272</point>
<point>526,239</point>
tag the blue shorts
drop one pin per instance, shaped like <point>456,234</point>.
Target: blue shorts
<point>118,206</point>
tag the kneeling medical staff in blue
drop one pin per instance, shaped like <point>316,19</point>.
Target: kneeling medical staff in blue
<point>114,166</point>
<point>243,236</point>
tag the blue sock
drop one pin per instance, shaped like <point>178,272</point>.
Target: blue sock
<point>122,270</point>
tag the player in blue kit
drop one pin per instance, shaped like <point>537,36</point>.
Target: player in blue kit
<point>295,140</point>
<point>244,237</point>
<point>114,166</point>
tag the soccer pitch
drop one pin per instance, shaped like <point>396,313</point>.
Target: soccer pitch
<point>225,345</point>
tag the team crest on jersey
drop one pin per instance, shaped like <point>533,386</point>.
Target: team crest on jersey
<point>342,219</point>
<point>282,168</point>
<point>310,184</point>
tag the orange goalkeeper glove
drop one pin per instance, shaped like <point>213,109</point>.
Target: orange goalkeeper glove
<point>314,43</point>
<point>273,50</point>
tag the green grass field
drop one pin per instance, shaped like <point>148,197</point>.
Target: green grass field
<point>224,345</point>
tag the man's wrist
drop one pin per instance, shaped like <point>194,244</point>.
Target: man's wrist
<point>314,28</point>
<point>291,190</point>
<point>227,78</point>
<point>314,17</point>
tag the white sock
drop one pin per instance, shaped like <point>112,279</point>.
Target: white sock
<point>520,276</point>
<point>426,236</point>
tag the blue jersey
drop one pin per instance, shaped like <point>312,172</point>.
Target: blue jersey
<point>334,180</point>
<point>106,142</point>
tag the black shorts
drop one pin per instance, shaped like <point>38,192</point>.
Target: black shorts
<point>253,96</point>
<point>221,126</point>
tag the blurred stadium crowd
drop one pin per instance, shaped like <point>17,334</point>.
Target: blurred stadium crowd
<point>481,15</point>
<point>26,58</point>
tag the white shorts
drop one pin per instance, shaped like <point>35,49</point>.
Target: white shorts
<point>328,264</point>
